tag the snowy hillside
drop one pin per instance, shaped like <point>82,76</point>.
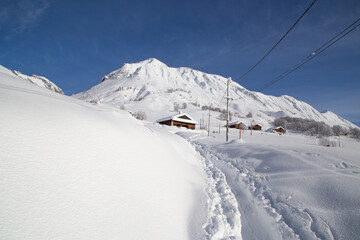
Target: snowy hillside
<point>153,87</point>
<point>37,80</point>
<point>70,170</point>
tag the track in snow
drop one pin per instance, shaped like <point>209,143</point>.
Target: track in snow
<point>264,215</point>
<point>223,219</point>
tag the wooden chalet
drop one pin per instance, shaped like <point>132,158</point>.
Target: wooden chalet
<point>279,129</point>
<point>179,120</point>
<point>236,124</point>
<point>255,127</point>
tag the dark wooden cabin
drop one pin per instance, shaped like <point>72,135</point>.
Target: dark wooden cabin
<point>179,120</point>
<point>280,129</point>
<point>255,127</point>
<point>236,125</point>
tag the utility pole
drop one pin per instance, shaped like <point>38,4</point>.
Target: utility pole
<point>227,108</point>
<point>209,124</point>
<point>203,123</point>
<point>239,130</point>
<point>251,127</point>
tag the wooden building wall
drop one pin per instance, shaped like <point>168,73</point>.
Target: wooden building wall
<point>280,130</point>
<point>256,127</point>
<point>178,124</point>
<point>181,124</point>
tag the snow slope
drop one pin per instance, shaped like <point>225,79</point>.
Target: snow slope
<point>37,80</point>
<point>72,170</point>
<point>153,87</point>
<point>288,186</point>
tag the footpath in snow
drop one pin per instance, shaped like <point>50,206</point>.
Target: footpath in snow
<point>223,216</point>
<point>288,186</point>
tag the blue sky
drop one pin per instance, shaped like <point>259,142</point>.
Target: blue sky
<point>76,43</point>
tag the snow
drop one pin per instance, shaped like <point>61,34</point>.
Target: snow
<point>74,170</point>
<point>71,170</point>
<point>234,123</point>
<point>40,81</point>
<point>152,87</point>
<point>288,186</point>
<point>37,80</point>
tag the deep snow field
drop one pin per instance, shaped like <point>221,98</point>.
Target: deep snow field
<point>288,186</point>
<point>73,170</point>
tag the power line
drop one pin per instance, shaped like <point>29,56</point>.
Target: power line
<point>302,62</point>
<point>277,42</point>
<point>338,34</point>
<point>315,53</point>
<point>221,99</point>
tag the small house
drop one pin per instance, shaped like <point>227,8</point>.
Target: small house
<point>179,120</point>
<point>237,125</point>
<point>280,129</point>
<point>255,127</point>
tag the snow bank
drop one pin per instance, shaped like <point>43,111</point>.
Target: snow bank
<point>70,170</point>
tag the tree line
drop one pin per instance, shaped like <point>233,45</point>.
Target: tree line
<point>315,128</point>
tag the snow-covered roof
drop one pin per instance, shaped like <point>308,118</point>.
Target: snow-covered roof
<point>275,128</point>
<point>180,117</point>
<point>234,123</point>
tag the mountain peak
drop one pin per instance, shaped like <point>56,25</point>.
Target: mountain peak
<point>152,85</point>
<point>131,69</point>
<point>154,61</point>
<point>150,61</point>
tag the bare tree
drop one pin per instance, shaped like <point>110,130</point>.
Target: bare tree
<point>355,132</point>
<point>249,115</point>
<point>176,107</point>
<point>140,115</point>
<point>338,130</point>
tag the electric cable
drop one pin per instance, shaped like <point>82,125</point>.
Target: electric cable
<point>315,53</point>
<point>221,100</point>
<point>277,42</point>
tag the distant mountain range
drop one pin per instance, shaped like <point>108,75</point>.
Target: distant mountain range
<point>153,87</point>
<point>34,79</point>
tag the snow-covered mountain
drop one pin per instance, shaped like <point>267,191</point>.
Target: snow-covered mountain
<point>153,87</point>
<point>37,80</point>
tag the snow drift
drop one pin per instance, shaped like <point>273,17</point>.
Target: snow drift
<point>71,170</point>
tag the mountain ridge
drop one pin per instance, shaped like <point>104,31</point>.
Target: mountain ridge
<point>34,79</point>
<point>155,88</point>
